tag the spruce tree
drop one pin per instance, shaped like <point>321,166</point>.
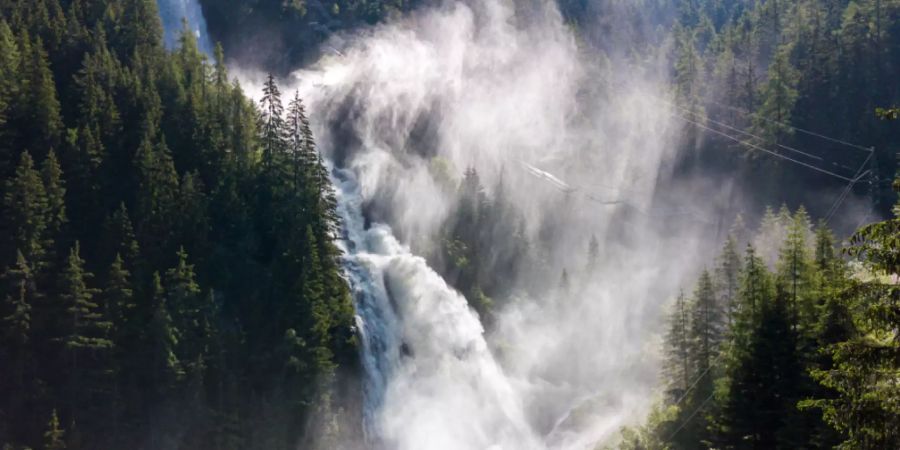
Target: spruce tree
<point>25,207</point>
<point>728,279</point>
<point>87,329</point>
<point>86,342</point>
<point>10,83</point>
<point>184,301</point>
<point>862,404</point>
<point>778,97</point>
<point>677,364</point>
<point>118,298</point>
<point>314,294</point>
<point>19,294</point>
<point>164,367</point>
<point>156,201</point>
<point>55,190</point>
<point>142,31</point>
<point>41,124</point>
<point>273,131</point>
<point>298,133</point>
<point>120,240</point>
<point>54,437</point>
<point>704,338</point>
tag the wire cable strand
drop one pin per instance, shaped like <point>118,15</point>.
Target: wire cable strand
<point>792,127</point>
<point>756,147</point>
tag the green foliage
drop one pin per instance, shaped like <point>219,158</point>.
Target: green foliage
<point>54,436</point>
<point>888,113</point>
<point>299,27</point>
<point>211,231</point>
<point>806,360</point>
<point>864,352</point>
<point>771,68</point>
<point>25,208</point>
<point>483,247</point>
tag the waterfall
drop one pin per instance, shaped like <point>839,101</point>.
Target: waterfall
<point>421,345</point>
<point>172,12</point>
<point>401,111</point>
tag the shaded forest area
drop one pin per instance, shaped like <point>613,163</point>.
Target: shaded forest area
<point>168,277</point>
<point>802,79</point>
<point>281,35</point>
<point>757,72</point>
<point>795,350</point>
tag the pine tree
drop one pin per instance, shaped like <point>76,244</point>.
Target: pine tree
<point>220,71</point>
<point>20,293</point>
<point>120,240</point>
<point>183,300</point>
<point>55,190</point>
<point>272,127</point>
<point>85,341</point>
<point>824,255</point>
<point>862,404</point>
<point>705,335</point>
<point>728,279</point>
<point>54,437</point>
<point>678,365</point>
<point>9,91</point>
<point>298,133</point>
<point>25,207</point>
<point>87,328</point>
<point>192,221</point>
<point>118,297</point>
<point>142,30</point>
<point>794,271</point>
<point>314,294</point>
<point>156,205</point>
<point>760,406</point>
<point>41,123</point>
<point>778,97</point>
<point>165,367</point>
<point>688,70</point>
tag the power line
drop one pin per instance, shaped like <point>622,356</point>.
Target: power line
<point>683,424</point>
<point>792,127</point>
<point>744,132</point>
<point>848,189</point>
<point>697,380</point>
<point>760,116</point>
<point>756,147</point>
<point>747,133</point>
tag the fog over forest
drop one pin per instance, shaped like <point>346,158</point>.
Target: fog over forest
<point>472,224</point>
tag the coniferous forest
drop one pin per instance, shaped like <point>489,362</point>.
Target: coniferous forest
<point>170,276</point>
<point>169,272</point>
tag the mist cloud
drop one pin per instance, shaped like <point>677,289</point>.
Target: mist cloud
<point>504,86</point>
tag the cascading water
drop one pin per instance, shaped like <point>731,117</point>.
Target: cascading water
<point>496,86</point>
<point>490,85</point>
<point>419,341</point>
<point>172,12</point>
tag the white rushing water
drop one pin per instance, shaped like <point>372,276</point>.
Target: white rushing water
<point>403,109</point>
<point>422,347</point>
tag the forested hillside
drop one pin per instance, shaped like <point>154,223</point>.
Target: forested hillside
<point>796,350</point>
<point>801,79</point>
<point>169,277</point>
<point>280,35</point>
<point>802,355</point>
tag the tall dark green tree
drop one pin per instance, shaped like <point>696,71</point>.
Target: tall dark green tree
<point>25,207</point>
<point>273,131</point>
<point>86,343</point>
